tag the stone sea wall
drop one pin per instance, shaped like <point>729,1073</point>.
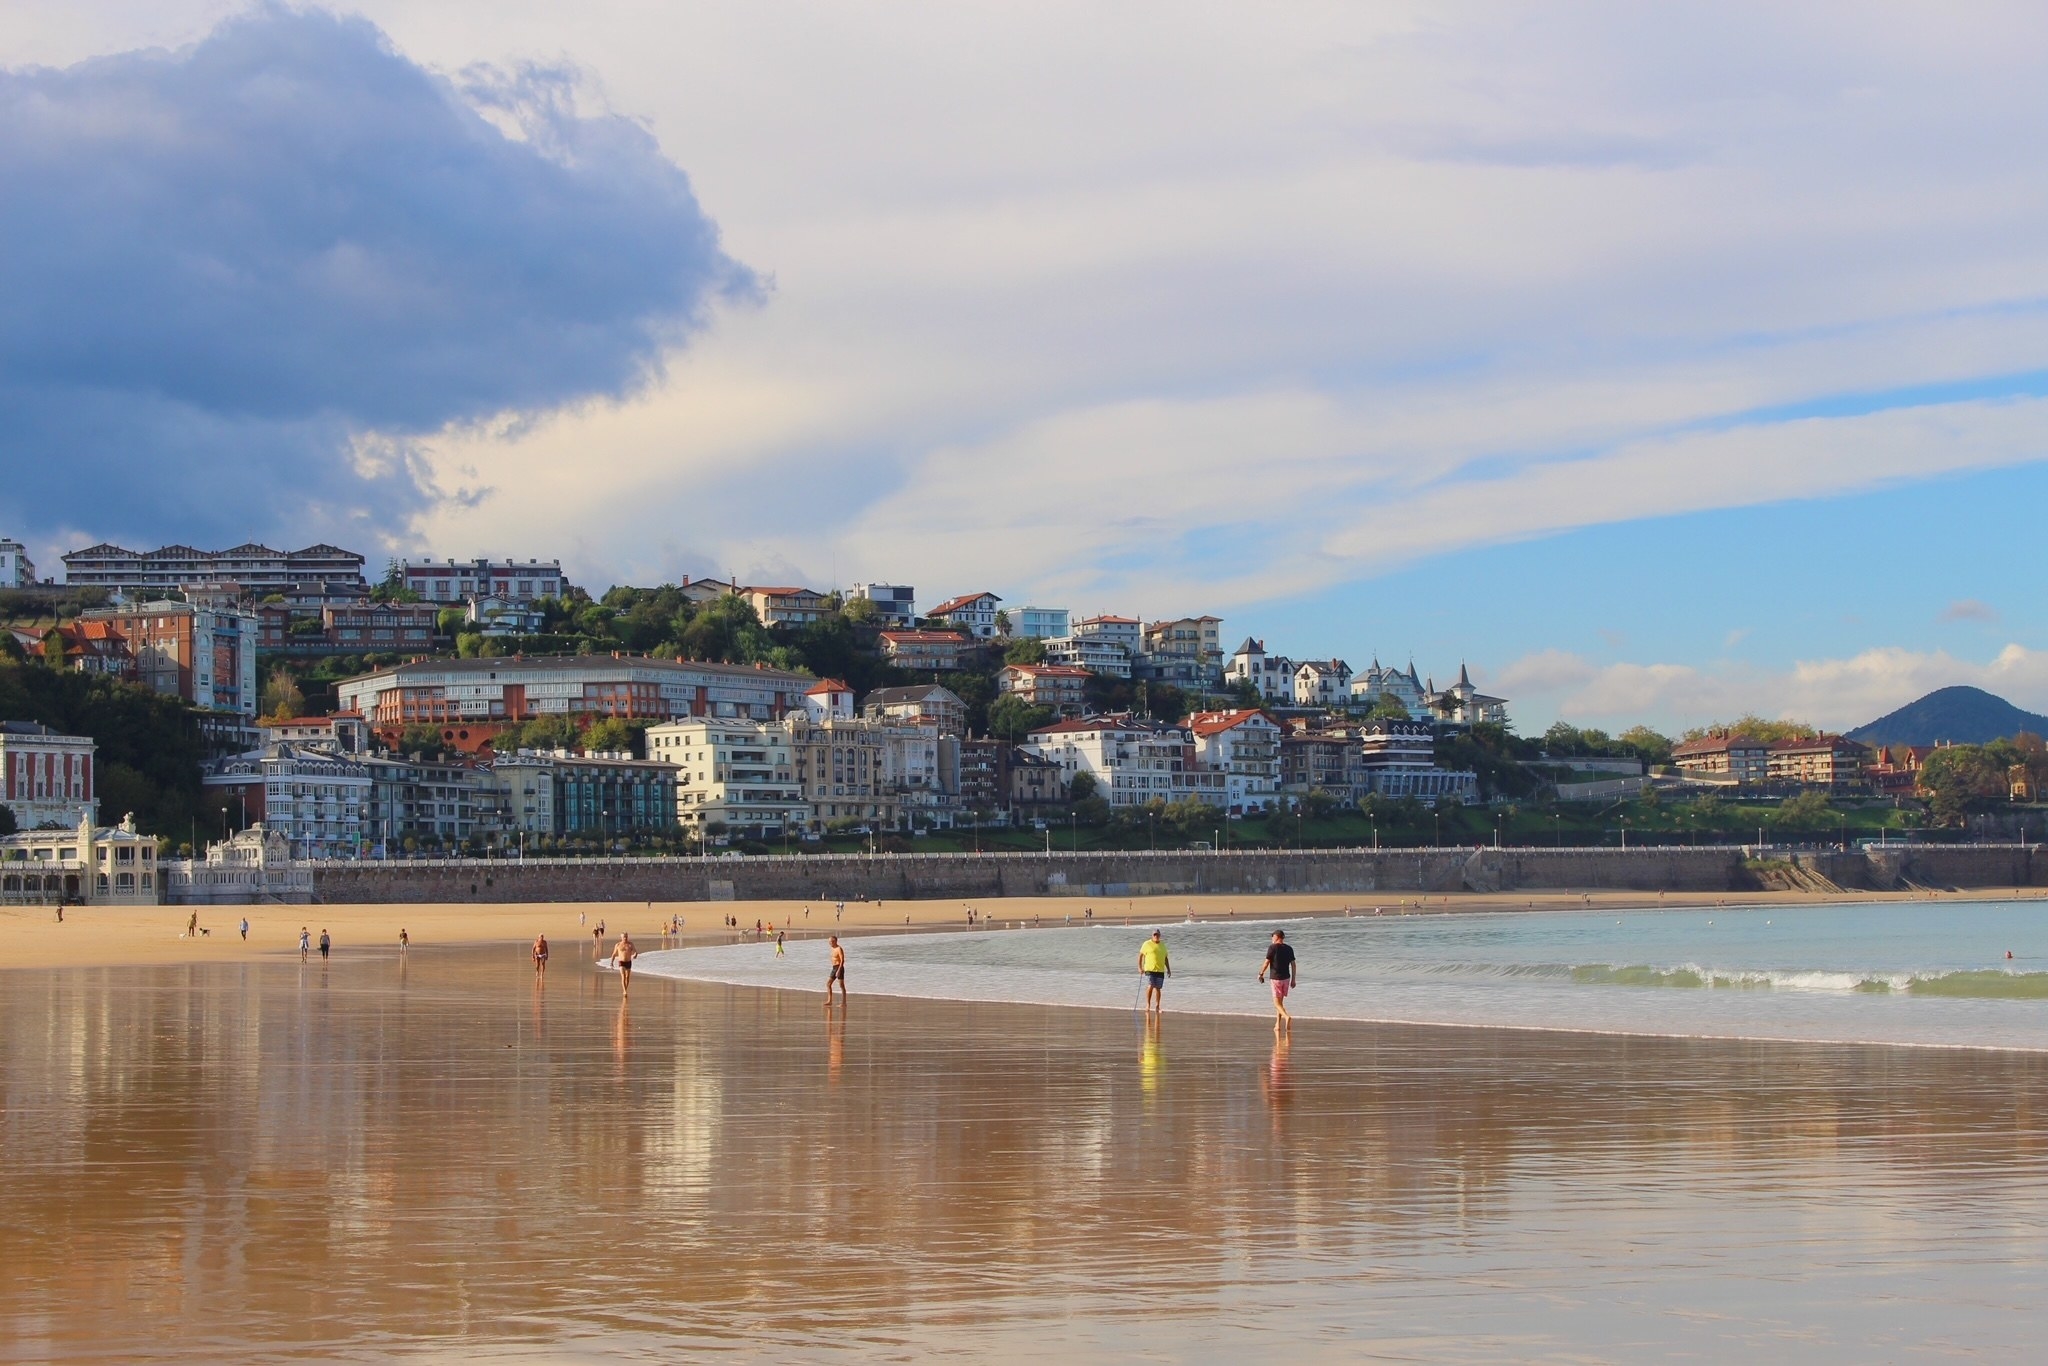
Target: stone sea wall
<point>912,877</point>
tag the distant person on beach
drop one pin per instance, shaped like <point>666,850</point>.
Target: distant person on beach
<point>778,943</point>
<point>838,973</point>
<point>325,943</point>
<point>305,943</point>
<point>540,953</point>
<point>622,958</point>
<point>192,926</point>
<point>245,926</point>
<point>404,939</point>
<point>1279,967</point>
<point>1157,967</point>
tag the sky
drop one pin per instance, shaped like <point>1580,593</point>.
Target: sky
<point>1660,363</point>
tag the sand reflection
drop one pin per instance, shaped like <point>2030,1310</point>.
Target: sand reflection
<point>452,1151</point>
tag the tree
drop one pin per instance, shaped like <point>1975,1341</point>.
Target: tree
<point>1002,622</point>
<point>1011,718</point>
<point>1081,787</point>
<point>1029,650</point>
<point>1387,707</point>
<point>1318,803</point>
<point>1960,779</point>
<point>1647,744</point>
<point>861,611</point>
<point>1804,811</point>
<point>7,825</point>
<point>1756,728</point>
<point>612,733</point>
<point>282,697</point>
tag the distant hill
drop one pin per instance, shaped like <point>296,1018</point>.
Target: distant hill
<point>1967,716</point>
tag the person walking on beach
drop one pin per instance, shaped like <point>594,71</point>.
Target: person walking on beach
<point>1279,967</point>
<point>305,943</point>
<point>838,974</point>
<point>325,944</point>
<point>540,954</point>
<point>245,927</point>
<point>1157,967</point>
<point>622,958</point>
<point>778,943</point>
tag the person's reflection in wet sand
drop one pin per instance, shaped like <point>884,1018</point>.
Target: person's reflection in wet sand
<point>1150,1060</point>
<point>1278,1079</point>
<point>835,1047</point>
<point>621,1034</point>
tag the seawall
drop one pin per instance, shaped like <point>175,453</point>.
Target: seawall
<point>915,877</point>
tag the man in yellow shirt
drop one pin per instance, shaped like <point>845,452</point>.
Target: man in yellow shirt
<point>1153,962</point>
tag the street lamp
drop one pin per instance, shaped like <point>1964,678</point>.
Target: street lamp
<point>1624,832</point>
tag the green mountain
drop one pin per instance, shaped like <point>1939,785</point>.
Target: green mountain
<point>1966,716</point>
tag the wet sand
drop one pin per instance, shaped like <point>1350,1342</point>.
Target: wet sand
<point>436,1158</point>
<point>133,936</point>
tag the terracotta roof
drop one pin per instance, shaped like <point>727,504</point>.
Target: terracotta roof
<point>827,685</point>
<point>1216,722</point>
<point>1713,744</point>
<point>1048,670</point>
<point>963,600</point>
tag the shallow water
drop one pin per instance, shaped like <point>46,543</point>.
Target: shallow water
<point>1903,973</point>
<point>435,1159</point>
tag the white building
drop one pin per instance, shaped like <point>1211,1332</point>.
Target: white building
<point>895,603</point>
<point>517,581</point>
<point>789,606</point>
<point>829,699</point>
<point>736,773</point>
<point>1271,675</point>
<point>16,570</point>
<point>1464,705</point>
<point>46,778</point>
<point>516,796</point>
<point>1244,746</point>
<point>316,798</point>
<point>90,865</point>
<point>495,616</point>
<point>972,613</point>
<point>1406,688</point>
<point>1093,653</point>
<point>1322,683</point>
<point>1126,632</point>
<point>1039,623</point>
<point>255,569</point>
<point>1399,760</point>
<point>251,867</point>
<point>1132,762</point>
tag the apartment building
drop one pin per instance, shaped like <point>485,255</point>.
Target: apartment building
<point>998,781</point>
<point>16,569</point>
<point>1093,653</point>
<point>1125,632</point>
<point>1736,757</point>
<point>1398,759</point>
<point>1192,638</point>
<point>316,798</point>
<point>918,704</point>
<point>1132,761</point>
<point>254,569</point>
<point>614,796</point>
<point>789,606</point>
<point>429,801</point>
<point>1039,623</point>
<point>895,603</point>
<point>205,654</point>
<point>1375,683</point>
<point>46,777</point>
<point>741,774</point>
<point>1328,761</point>
<point>1826,761</point>
<point>925,651</point>
<point>360,625</point>
<point>1244,746</point>
<point>842,765</point>
<point>515,796</point>
<point>343,732</point>
<point>1059,686</point>
<point>451,692</point>
<point>447,582</point>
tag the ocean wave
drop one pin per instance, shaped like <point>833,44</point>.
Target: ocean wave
<point>1979,984</point>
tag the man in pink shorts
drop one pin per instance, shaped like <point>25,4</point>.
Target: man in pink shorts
<point>1279,967</point>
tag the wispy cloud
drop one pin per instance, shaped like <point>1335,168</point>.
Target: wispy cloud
<point>1969,609</point>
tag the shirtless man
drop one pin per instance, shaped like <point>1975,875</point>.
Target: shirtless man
<point>623,957</point>
<point>540,953</point>
<point>838,974</point>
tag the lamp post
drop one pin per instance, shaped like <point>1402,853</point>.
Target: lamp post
<point>1437,840</point>
<point>1624,832</point>
<point>1558,816</point>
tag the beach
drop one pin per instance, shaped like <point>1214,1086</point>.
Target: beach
<point>31,937</point>
<point>440,1159</point>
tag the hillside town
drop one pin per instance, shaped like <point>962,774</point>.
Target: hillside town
<point>490,705</point>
